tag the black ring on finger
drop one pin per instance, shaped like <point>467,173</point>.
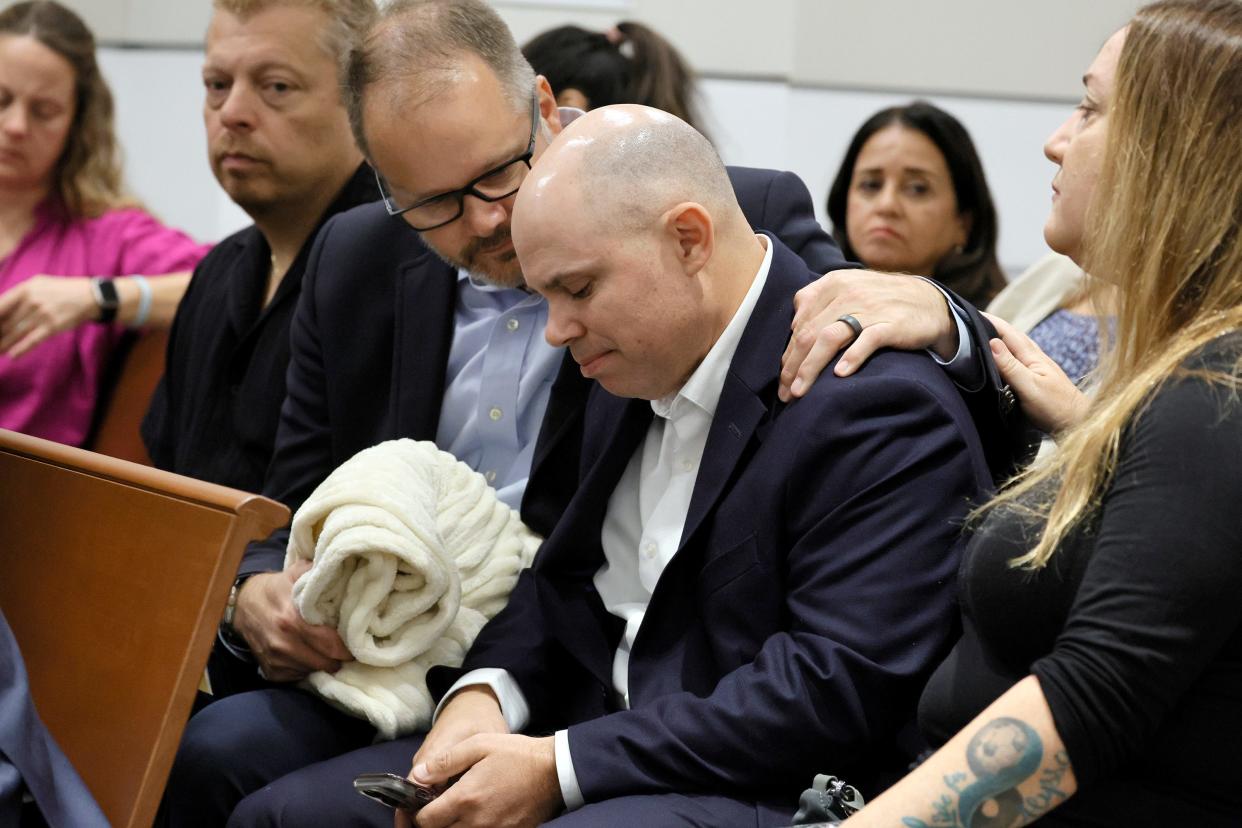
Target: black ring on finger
<point>854,324</point>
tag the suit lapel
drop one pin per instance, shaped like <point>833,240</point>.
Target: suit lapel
<point>749,395</point>
<point>568,566</point>
<point>563,418</point>
<point>738,414</point>
<point>426,293</point>
<point>625,423</point>
<point>554,469</point>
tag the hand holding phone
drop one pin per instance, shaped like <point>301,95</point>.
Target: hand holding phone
<point>394,791</point>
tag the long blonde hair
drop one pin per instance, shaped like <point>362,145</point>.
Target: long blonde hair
<point>88,174</point>
<point>1165,227</point>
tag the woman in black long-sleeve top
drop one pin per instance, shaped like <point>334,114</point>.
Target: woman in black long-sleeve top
<point>1099,678</point>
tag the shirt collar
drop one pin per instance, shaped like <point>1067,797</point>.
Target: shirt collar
<point>705,385</point>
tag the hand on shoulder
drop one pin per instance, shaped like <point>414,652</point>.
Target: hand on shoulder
<point>895,311</point>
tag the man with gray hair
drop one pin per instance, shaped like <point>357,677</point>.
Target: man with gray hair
<point>279,144</point>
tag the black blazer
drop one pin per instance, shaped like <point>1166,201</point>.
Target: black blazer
<point>810,598</point>
<point>215,412</point>
<point>370,340</point>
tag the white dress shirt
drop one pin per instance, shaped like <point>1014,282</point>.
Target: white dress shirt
<point>643,524</point>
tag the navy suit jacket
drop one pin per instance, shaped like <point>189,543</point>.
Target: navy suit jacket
<point>370,341</point>
<point>811,596</point>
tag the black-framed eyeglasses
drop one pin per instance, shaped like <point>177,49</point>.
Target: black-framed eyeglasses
<point>494,185</point>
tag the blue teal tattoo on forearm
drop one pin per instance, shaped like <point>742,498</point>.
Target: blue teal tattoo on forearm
<point>1051,793</point>
<point>1002,755</point>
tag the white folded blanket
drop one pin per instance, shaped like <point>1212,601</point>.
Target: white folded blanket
<point>411,555</point>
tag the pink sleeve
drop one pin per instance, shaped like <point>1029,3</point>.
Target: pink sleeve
<point>134,242</point>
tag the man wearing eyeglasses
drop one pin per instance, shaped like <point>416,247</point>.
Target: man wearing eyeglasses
<point>413,322</point>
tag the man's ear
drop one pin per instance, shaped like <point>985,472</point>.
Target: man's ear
<point>691,229</point>
<point>548,109</point>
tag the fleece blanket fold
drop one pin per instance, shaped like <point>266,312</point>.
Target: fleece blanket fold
<point>411,554</point>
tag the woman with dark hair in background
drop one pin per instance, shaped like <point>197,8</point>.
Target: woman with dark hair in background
<point>630,63</point>
<point>66,228</point>
<point>911,197</point>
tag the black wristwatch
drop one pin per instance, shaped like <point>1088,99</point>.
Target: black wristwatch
<point>106,297</point>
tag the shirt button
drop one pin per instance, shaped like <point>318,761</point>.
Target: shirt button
<point>513,324</point>
<point>687,465</point>
<point>649,550</point>
<point>495,414</point>
<point>491,476</point>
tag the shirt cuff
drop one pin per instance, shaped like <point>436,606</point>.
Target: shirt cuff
<point>962,368</point>
<point>513,704</point>
<point>570,792</point>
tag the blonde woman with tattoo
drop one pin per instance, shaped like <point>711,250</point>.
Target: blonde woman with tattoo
<point>1099,678</point>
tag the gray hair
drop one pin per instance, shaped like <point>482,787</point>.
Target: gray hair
<point>421,43</point>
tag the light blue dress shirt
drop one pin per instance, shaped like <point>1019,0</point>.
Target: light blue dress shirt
<point>499,379</point>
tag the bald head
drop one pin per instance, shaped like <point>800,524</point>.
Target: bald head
<point>628,225</point>
<point>624,166</point>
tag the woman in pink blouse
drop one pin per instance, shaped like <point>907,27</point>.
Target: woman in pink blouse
<point>66,229</point>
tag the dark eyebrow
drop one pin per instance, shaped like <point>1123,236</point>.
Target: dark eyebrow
<point>493,162</point>
<point>919,170</point>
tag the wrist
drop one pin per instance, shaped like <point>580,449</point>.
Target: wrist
<point>1075,413</point>
<point>545,751</point>
<point>478,694</point>
<point>946,345</point>
<point>135,300</point>
<point>228,623</point>
<point>107,300</point>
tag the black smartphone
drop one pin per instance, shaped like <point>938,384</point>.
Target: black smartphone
<point>394,791</point>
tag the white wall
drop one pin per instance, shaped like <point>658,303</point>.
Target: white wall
<point>785,83</point>
<point>754,123</point>
<point>158,96</point>
<point>998,48</point>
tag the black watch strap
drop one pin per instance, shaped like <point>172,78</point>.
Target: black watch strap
<point>106,297</point>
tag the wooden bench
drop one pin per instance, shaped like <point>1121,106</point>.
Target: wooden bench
<point>125,394</point>
<point>113,577</point>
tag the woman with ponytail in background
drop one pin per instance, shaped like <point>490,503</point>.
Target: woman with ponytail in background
<point>629,63</point>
